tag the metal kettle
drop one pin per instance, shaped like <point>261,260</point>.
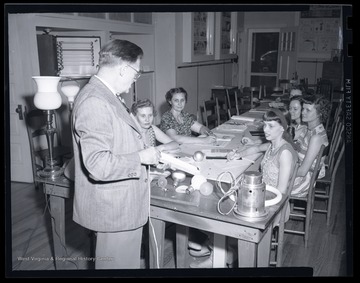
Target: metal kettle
<point>251,195</point>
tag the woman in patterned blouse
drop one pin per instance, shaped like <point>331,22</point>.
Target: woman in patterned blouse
<point>315,112</point>
<point>143,111</point>
<point>295,109</point>
<point>179,125</point>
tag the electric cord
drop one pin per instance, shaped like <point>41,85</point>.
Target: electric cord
<point>232,191</point>
<point>150,223</point>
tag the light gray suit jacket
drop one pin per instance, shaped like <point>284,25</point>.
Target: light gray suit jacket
<point>111,185</point>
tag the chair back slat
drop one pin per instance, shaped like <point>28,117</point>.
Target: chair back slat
<point>233,102</point>
<point>335,144</point>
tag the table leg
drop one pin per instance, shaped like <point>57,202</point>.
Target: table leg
<point>57,207</point>
<point>182,241</point>
<point>219,251</point>
<point>263,250</point>
<point>246,253</point>
<point>156,243</point>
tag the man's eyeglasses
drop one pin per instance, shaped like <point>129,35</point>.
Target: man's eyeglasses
<point>137,74</point>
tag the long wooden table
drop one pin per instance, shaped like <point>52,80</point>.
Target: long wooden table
<point>253,236</point>
<point>200,212</point>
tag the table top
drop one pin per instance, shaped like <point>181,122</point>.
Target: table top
<point>60,181</point>
<point>200,205</point>
<point>206,206</point>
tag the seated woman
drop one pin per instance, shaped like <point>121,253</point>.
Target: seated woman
<point>143,113</point>
<point>280,155</point>
<point>315,112</point>
<point>295,109</point>
<point>179,125</point>
<point>279,160</point>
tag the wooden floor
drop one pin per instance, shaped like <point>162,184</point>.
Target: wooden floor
<point>31,247</point>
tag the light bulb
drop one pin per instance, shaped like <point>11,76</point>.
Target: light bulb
<point>178,177</point>
<point>199,156</point>
<point>162,182</point>
<point>206,188</point>
<point>197,181</point>
<point>70,91</point>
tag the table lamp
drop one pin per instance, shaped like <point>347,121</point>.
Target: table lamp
<point>48,98</point>
<point>70,90</point>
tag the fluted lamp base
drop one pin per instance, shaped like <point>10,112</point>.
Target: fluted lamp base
<point>51,173</point>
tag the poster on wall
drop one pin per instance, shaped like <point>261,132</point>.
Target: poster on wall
<point>319,33</point>
<point>200,33</point>
<point>225,32</point>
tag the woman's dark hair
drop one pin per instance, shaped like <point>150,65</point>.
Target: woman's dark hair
<point>322,105</point>
<point>114,51</point>
<point>297,97</point>
<point>283,117</point>
<point>170,93</point>
<point>142,104</point>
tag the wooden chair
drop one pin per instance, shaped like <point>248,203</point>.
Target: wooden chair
<point>219,96</point>
<point>233,101</point>
<point>278,232</point>
<point>221,112</point>
<point>333,136</point>
<point>209,114</point>
<point>305,213</point>
<point>35,125</point>
<point>284,85</point>
<point>333,119</point>
<point>247,98</point>
<point>278,90</point>
<point>324,188</point>
<point>325,88</point>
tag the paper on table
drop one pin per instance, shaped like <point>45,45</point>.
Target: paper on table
<point>258,110</point>
<point>231,127</point>
<point>211,169</point>
<point>277,94</point>
<point>276,104</point>
<point>243,118</point>
<point>220,137</point>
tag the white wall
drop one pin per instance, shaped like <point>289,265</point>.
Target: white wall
<point>165,67</point>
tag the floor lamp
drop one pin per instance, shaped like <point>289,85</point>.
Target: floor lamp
<point>70,90</point>
<point>48,98</point>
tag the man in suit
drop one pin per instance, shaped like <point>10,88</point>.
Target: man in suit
<point>112,194</point>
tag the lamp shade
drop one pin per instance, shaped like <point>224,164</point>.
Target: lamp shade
<point>70,91</point>
<point>47,96</point>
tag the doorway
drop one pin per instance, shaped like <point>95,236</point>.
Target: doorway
<point>263,53</point>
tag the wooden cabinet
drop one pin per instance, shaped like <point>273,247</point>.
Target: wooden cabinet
<point>225,35</point>
<point>209,36</point>
<point>198,36</point>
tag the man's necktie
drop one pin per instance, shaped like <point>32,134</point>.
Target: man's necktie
<point>123,102</point>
